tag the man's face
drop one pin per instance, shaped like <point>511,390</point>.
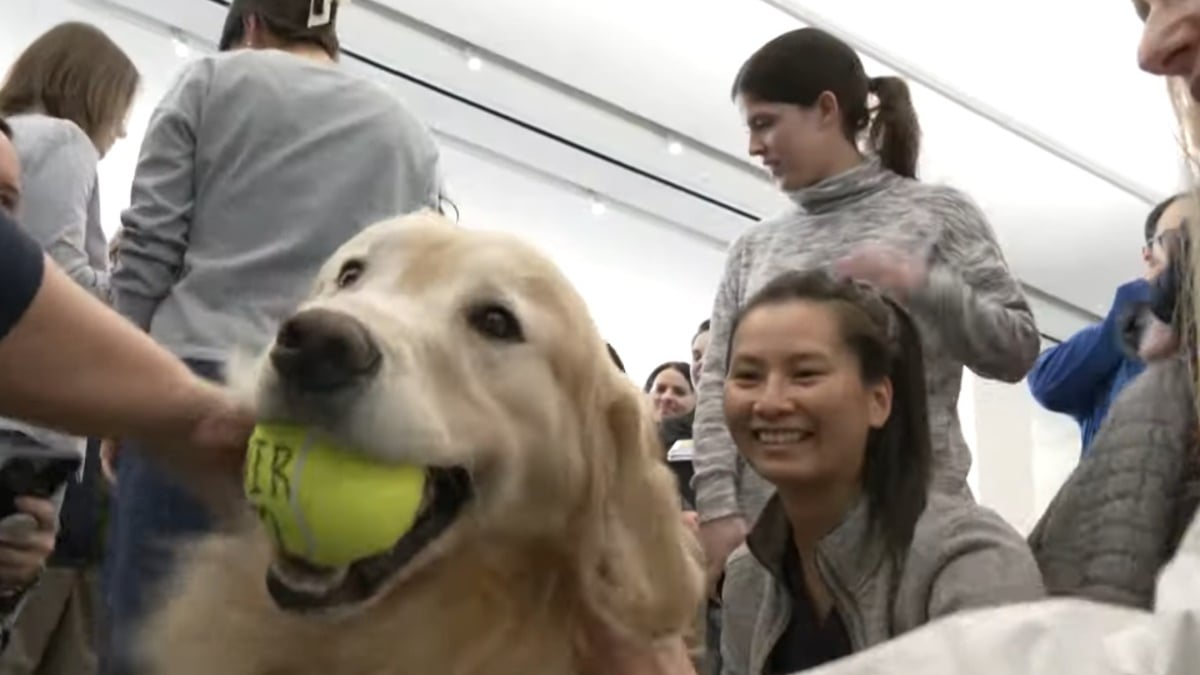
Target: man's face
<point>10,178</point>
<point>1156,253</point>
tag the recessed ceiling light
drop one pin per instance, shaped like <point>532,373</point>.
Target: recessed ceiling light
<point>674,146</point>
<point>598,207</point>
<point>474,61</point>
<point>182,50</point>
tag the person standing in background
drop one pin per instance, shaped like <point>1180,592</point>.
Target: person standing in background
<point>805,98</point>
<point>66,98</point>
<point>1083,376</point>
<point>256,166</point>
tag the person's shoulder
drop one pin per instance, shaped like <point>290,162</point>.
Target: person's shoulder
<point>45,128</point>
<point>935,196</point>
<point>37,136</point>
<point>953,522</point>
<point>789,219</point>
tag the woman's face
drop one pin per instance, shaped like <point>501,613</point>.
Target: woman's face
<point>699,346</point>
<point>795,401</point>
<point>793,142</point>
<point>1171,40</point>
<point>671,394</point>
<point>114,132</point>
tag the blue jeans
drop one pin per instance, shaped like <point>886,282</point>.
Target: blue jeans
<point>150,512</point>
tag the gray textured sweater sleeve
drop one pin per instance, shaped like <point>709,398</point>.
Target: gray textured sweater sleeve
<point>59,190</point>
<point>1109,530</point>
<point>972,296</point>
<point>715,458</point>
<point>156,225</point>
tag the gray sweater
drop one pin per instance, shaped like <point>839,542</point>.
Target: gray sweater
<point>971,311</point>
<point>962,557</point>
<point>1121,514</point>
<point>60,209</point>
<point>256,166</point>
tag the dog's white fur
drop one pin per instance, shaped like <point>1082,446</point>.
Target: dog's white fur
<point>575,519</point>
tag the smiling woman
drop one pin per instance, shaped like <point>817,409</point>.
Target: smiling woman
<point>825,398</point>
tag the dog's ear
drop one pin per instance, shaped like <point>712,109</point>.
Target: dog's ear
<point>642,573</point>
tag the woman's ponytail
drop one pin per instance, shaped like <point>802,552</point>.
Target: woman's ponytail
<point>895,134</point>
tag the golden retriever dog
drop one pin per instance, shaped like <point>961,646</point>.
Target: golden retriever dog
<point>549,510</point>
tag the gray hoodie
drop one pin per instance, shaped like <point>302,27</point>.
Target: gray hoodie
<point>256,167</point>
<point>971,311</point>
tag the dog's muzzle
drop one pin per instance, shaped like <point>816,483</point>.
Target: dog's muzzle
<point>321,351</point>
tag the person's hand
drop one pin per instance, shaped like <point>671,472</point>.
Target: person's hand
<point>720,538</point>
<point>109,449</point>
<point>885,267</point>
<point>26,541</point>
<point>1158,341</point>
<point>691,520</point>
<point>210,456</point>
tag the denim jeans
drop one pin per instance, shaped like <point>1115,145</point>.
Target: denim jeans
<point>150,512</point>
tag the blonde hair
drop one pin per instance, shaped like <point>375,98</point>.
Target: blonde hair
<point>1188,303</point>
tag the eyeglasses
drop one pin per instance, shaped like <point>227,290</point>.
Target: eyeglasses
<point>1168,238</point>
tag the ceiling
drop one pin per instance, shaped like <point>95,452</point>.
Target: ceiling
<point>604,131</point>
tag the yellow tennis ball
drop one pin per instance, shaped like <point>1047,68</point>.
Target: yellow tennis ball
<point>325,504</point>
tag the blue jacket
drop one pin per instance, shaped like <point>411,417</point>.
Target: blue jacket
<point>1082,376</point>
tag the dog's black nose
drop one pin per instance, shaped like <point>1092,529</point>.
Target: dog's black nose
<point>319,350</point>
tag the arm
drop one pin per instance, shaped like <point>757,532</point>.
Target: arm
<point>59,191</point>
<point>119,382</point>
<point>1067,377</point>
<point>1114,523</point>
<point>66,336</point>
<point>984,563</point>
<point>715,458</point>
<point>156,225</point>
<point>973,299</point>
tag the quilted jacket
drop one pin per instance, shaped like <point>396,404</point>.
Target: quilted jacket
<point>1120,516</point>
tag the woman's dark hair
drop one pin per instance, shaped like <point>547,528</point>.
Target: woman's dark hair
<point>678,366</point>
<point>73,72</point>
<point>705,326</point>
<point>1156,215</point>
<point>5,129</point>
<point>616,358</point>
<point>797,67</point>
<point>885,340</point>
<point>286,20</point>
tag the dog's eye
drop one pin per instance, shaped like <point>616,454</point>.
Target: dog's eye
<point>350,273</point>
<point>496,322</point>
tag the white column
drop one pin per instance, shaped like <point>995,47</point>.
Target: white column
<point>1001,436</point>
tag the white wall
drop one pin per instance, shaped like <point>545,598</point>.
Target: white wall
<point>1022,453</point>
<point>649,264</point>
